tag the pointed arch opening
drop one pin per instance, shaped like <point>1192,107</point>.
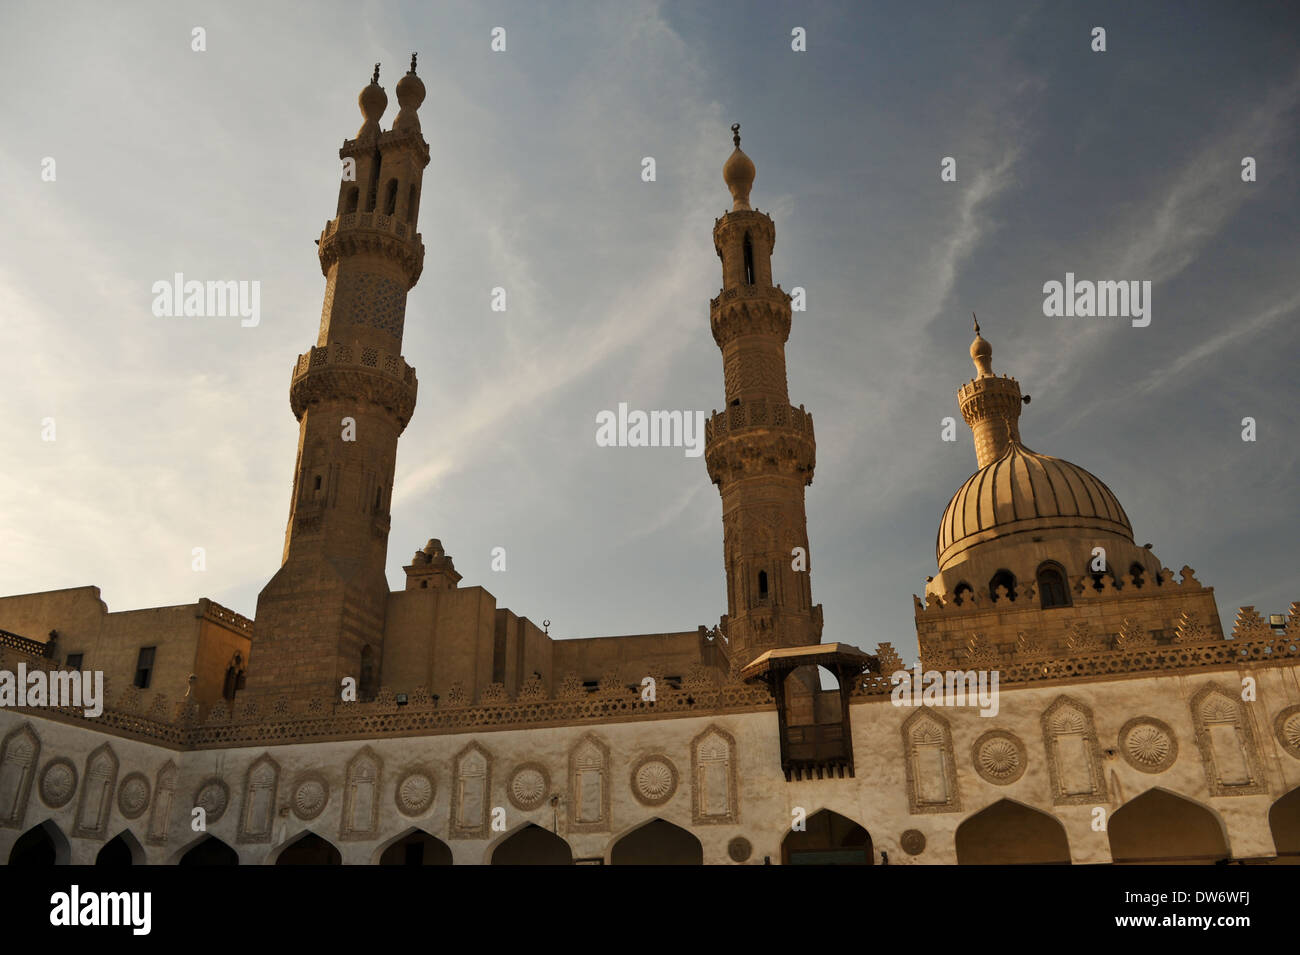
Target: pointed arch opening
<point>122,849</point>
<point>415,847</point>
<point>209,851</point>
<point>657,842</point>
<point>1011,833</point>
<point>1160,828</point>
<point>749,260</point>
<point>309,849</point>
<point>41,845</point>
<point>390,198</point>
<point>1284,821</point>
<point>828,839</point>
<point>532,845</point>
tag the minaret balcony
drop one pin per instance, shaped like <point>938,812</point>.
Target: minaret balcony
<point>750,310</point>
<point>759,437</point>
<point>372,232</point>
<point>346,370</point>
<point>760,413</point>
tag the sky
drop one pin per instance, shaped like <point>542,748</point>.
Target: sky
<point>176,433</point>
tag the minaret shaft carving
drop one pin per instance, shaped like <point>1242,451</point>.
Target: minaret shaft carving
<point>353,395</point>
<point>760,451</point>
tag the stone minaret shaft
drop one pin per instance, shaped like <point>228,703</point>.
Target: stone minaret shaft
<point>321,617</point>
<point>760,451</point>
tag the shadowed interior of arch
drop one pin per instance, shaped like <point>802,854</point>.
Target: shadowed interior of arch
<point>416,847</point>
<point>1159,828</point>
<point>309,849</point>
<point>533,845</point>
<point>1007,833</point>
<point>41,845</point>
<point>1284,821</point>
<point>658,842</point>
<point>209,851</point>
<point>123,849</point>
<point>827,839</point>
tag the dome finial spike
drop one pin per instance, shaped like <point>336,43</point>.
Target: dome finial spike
<point>375,78</point>
<point>735,134</point>
<point>977,323</point>
<point>413,62</point>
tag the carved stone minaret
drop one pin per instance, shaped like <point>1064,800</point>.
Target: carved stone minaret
<point>760,451</point>
<point>322,615</point>
<point>990,405</point>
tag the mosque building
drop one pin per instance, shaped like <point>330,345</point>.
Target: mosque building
<point>349,723</point>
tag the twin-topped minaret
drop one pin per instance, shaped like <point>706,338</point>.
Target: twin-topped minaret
<point>760,451</point>
<point>321,617</point>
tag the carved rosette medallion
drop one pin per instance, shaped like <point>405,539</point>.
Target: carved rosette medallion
<point>913,842</point>
<point>415,793</point>
<point>739,849</point>
<point>310,795</point>
<point>654,780</point>
<point>58,782</point>
<point>133,796</point>
<point>1287,728</point>
<point>1148,745</point>
<point>529,786</point>
<point>213,797</point>
<point>999,757</point>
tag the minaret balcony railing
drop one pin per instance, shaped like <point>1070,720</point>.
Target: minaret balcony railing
<point>768,293</point>
<point>370,222</point>
<point>351,370</point>
<point>759,413</point>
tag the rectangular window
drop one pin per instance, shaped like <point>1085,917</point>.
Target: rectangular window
<point>144,667</point>
<point>74,661</point>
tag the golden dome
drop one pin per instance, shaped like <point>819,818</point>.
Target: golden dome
<point>1025,491</point>
<point>738,173</point>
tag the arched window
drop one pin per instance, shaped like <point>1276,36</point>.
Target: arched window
<point>1003,578</point>
<point>234,678</point>
<point>749,261</point>
<point>412,203</point>
<point>1052,591</point>
<point>1136,571</point>
<point>762,585</point>
<point>354,196</point>
<point>390,199</point>
<point>962,593</point>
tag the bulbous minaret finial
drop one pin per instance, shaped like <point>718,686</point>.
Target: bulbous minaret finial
<point>410,94</point>
<point>981,352</point>
<point>990,405</point>
<point>373,101</point>
<point>738,173</point>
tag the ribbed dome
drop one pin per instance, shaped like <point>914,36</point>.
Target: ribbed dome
<point>1025,491</point>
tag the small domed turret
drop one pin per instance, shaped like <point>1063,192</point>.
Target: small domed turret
<point>738,173</point>
<point>981,352</point>
<point>410,94</point>
<point>373,101</point>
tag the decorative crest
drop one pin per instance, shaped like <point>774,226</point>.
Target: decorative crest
<point>735,134</point>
